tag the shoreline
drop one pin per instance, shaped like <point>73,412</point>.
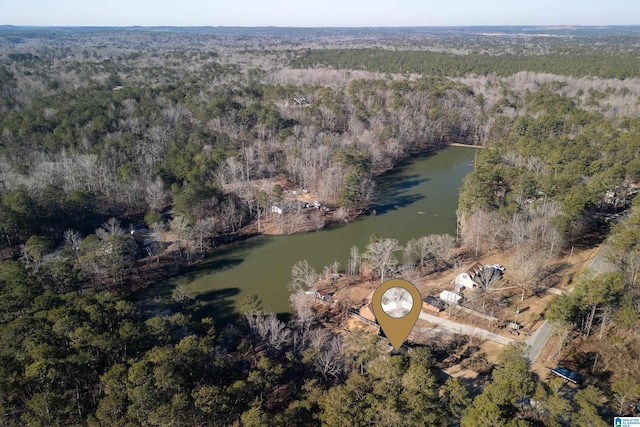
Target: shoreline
<point>271,225</point>
<point>459,144</point>
<point>251,228</point>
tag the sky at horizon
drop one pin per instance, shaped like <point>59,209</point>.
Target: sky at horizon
<point>326,13</point>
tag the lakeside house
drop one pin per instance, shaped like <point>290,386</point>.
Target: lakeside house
<point>465,279</point>
<point>284,207</point>
<point>477,274</point>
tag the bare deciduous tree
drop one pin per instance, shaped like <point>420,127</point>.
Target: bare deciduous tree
<point>110,228</point>
<point>354,261</point>
<point>483,230</point>
<point>182,294</point>
<point>331,269</point>
<point>270,330</point>
<point>180,226</point>
<point>434,250</point>
<point>527,270</point>
<point>233,171</point>
<point>329,361</point>
<point>303,276</point>
<point>156,246</point>
<point>202,231</point>
<point>318,338</point>
<point>381,256</point>
<point>156,195</point>
<point>305,316</point>
<point>73,239</point>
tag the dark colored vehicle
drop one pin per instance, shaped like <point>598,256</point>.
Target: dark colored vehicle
<point>567,374</point>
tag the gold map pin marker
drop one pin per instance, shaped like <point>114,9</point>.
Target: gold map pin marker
<point>396,305</point>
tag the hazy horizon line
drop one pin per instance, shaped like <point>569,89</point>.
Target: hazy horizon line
<point>548,26</point>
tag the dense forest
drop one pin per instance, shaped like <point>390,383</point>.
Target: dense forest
<point>447,64</point>
<point>186,137</point>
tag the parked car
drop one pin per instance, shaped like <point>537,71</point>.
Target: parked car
<point>567,374</point>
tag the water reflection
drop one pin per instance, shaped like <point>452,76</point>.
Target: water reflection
<point>417,198</point>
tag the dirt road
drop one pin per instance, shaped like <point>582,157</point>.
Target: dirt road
<point>459,328</point>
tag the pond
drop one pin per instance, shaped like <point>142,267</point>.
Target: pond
<point>417,198</point>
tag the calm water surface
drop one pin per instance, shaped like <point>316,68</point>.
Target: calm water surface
<point>262,265</point>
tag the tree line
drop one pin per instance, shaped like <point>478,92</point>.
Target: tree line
<point>608,65</point>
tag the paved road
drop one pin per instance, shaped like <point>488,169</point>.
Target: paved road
<point>535,342</point>
<point>459,328</point>
<point>599,264</point>
<point>538,340</point>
